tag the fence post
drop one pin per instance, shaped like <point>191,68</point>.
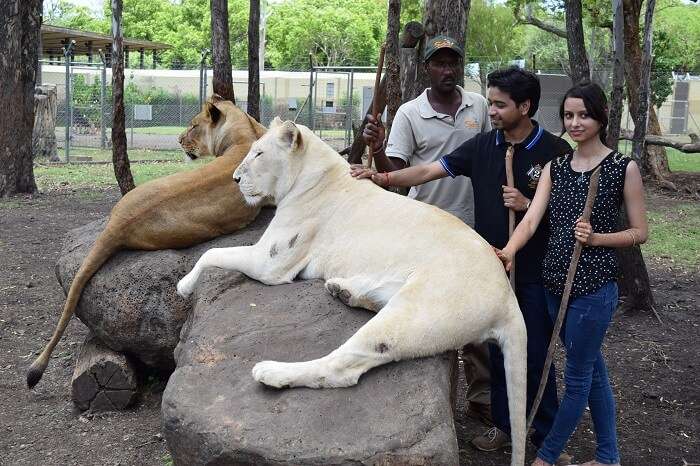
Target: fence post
<point>103,94</point>
<point>68,112</point>
<point>348,133</point>
<point>311,88</point>
<point>203,77</point>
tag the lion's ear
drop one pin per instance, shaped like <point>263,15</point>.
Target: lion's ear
<point>291,136</point>
<point>216,98</point>
<point>277,121</point>
<point>214,113</point>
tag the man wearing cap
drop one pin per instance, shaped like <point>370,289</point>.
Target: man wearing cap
<point>431,125</point>
<point>513,98</point>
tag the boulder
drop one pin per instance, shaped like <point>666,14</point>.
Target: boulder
<point>215,413</point>
<point>132,304</point>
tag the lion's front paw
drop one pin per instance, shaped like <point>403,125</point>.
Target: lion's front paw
<point>274,374</point>
<point>185,286</point>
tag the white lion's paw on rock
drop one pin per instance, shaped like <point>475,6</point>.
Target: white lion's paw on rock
<point>184,289</point>
<point>274,374</point>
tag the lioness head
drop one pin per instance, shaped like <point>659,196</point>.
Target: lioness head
<point>272,164</point>
<point>217,127</point>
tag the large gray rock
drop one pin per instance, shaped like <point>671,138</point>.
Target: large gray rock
<point>214,413</point>
<point>132,304</point>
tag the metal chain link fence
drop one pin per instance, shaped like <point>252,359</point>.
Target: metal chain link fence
<point>332,101</point>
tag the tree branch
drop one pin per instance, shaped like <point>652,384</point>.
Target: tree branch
<point>689,148</point>
<point>530,19</point>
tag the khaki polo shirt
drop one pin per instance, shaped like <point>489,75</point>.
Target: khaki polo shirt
<point>421,135</point>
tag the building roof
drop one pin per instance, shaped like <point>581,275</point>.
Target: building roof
<point>53,38</point>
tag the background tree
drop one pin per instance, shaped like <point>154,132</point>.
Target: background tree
<point>345,32</point>
<point>486,45</point>
<point>576,44</point>
<point>393,73</point>
<point>120,158</point>
<point>254,60</point>
<point>653,160</point>
<point>21,23</point>
<point>221,55</point>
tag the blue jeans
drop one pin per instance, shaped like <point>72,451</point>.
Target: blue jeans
<point>533,305</point>
<point>585,375</point>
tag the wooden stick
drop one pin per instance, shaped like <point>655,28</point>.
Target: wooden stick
<point>578,247</point>
<point>375,101</point>
<point>511,213</point>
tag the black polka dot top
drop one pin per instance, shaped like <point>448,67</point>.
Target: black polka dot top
<point>597,265</point>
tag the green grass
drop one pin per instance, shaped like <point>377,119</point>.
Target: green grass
<point>161,130</point>
<point>87,176</point>
<point>134,154</point>
<point>675,234</point>
<point>681,162</point>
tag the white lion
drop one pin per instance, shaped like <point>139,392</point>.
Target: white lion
<point>435,284</point>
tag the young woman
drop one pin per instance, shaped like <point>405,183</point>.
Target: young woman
<point>561,192</point>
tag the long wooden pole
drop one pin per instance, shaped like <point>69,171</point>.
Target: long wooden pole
<point>578,247</point>
<point>511,213</point>
<point>375,100</point>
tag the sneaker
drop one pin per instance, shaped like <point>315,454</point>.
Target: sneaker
<point>480,412</point>
<point>491,440</point>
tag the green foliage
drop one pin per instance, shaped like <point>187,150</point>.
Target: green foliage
<point>681,24</point>
<point>663,63</point>
<point>486,42</point>
<point>65,14</point>
<point>345,32</point>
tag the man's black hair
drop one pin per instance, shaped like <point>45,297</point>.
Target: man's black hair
<point>520,84</point>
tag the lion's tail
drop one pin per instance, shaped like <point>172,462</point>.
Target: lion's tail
<point>105,246</point>
<point>513,342</point>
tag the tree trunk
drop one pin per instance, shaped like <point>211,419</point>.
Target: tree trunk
<point>642,114</point>
<point>103,380</point>
<point>220,51</point>
<point>578,60</point>
<point>448,17</point>
<point>44,134</point>
<point>412,36</point>
<point>653,158</point>
<point>634,278</point>
<point>615,115</point>
<point>21,23</point>
<point>391,57</point>
<point>120,158</point>
<point>254,60</point>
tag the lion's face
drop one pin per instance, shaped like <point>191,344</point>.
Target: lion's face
<point>197,141</point>
<point>272,164</point>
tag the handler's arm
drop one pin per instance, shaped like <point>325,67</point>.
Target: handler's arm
<point>410,176</point>
<point>638,231</point>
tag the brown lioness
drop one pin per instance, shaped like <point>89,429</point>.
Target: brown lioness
<point>175,211</point>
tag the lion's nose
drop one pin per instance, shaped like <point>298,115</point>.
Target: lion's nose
<point>237,179</point>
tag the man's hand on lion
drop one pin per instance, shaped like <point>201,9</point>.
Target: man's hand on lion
<point>374,133</point>
<point>361,172</point>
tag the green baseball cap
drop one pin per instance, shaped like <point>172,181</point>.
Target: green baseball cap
<point>438,43</point>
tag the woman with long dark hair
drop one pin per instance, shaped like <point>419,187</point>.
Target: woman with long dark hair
<point>562,191</point>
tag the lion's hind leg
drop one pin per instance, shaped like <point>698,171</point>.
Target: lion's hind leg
<point>405,328</point>
<point>364,291</point>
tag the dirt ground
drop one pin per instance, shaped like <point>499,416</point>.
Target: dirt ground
<point>653,367</point>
